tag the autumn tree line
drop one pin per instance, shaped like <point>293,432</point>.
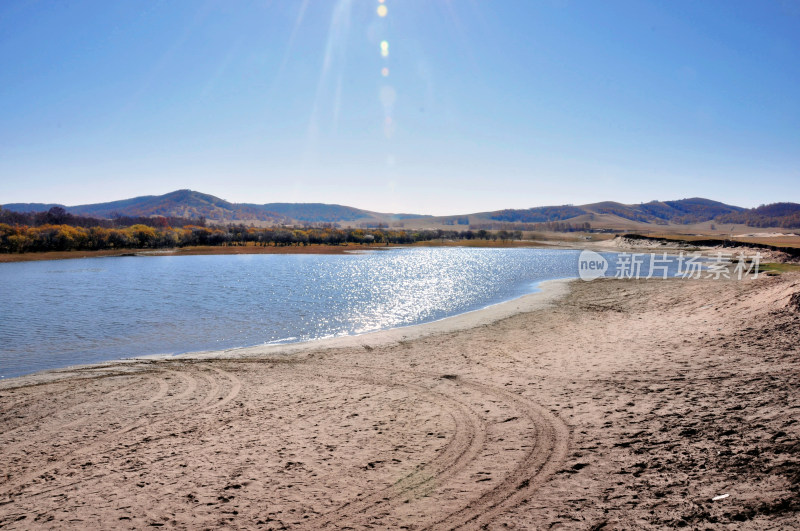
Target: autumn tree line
<point>89,234</point>
<point>59,216</point>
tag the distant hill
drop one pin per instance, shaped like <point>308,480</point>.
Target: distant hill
<point>191,204</point>
<point>31,207</point>
<point>181,203</point>
<point>786,215</point>
<point>684,211</point>
<point>314,212</point>
<point>538,214</point>
<point>692,210</point>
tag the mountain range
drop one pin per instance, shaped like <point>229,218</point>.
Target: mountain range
<point>608,214</point>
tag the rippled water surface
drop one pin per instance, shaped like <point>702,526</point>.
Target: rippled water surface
<point>60,313</point>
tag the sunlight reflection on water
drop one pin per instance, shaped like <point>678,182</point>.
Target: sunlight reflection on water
<point>108,308</point>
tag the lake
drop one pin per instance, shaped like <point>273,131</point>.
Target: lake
<point>67,312</point>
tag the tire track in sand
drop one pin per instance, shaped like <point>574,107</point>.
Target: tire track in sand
<point>461,449</point>
<point>9,447</point>
<point>164,415</point>
<point>467,442</point>
<point>69,400</point>
<point>547,452</point>
<point>545,457</point>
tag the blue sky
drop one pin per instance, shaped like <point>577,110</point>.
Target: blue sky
<point>486,105</point>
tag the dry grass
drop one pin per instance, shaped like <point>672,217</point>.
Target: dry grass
<point>778,267</point>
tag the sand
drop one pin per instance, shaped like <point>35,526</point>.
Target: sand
<point>601,405</point>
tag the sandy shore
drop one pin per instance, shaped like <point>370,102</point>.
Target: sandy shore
<point>192,251</point>
<point>603,405</point>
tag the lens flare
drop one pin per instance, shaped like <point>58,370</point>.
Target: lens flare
<point>385,72</point>
<point>388,97</point>
<point>382,10</point>
<point>385,48</point>
<point>388,130</point>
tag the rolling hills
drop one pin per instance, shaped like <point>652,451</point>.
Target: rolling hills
<point>191,204</point>
<point>607,214</point>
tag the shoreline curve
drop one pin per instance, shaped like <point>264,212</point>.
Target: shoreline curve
<point>548,291</point>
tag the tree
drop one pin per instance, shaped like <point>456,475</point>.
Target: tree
<point>56,215</point>
<point>142,235</point>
